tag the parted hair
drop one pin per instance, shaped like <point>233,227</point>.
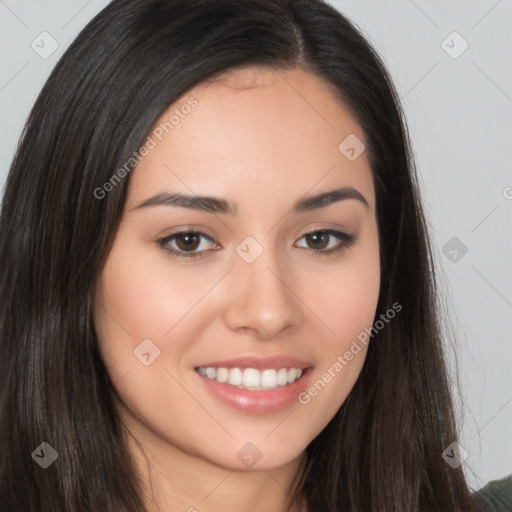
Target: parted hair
<point>381,452</point>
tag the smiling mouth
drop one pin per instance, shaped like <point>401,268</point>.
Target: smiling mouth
<point>252,379</point>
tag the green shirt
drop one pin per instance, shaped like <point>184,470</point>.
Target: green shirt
<point>496,495</point>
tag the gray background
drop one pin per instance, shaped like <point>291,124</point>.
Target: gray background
<point>459,114</point>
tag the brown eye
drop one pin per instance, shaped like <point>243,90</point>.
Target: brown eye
<point>187,241</point>
<point>318,240</point>
<point>186,244</point>
<point>323,241</point>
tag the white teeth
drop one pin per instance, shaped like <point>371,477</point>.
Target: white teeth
<point>222,374</point>
<point>282,377</point>
<point>292,373</point>
<point>252,379</point>
<point>235,376</point>
<point>269,378</point>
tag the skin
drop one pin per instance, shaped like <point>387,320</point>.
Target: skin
<point>262,140</point>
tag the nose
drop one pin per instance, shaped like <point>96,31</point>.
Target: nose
<point>262,300</point>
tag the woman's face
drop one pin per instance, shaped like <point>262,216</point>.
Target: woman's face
<point>241,294</point>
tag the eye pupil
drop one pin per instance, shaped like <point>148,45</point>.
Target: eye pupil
<point>187,238</point>
<point>317,236</point>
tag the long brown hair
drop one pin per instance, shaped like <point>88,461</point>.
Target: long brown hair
<point>382,450</point>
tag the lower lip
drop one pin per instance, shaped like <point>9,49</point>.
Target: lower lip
<point>257,401</point>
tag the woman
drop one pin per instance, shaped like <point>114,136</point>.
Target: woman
<point>218,289</point>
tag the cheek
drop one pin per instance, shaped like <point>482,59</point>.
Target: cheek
<point>139,300</point>
<point>346,301</point>
<point>141,294</point>
<point>345,296</point>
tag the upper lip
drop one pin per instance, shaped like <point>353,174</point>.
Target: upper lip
<point>259,363</point>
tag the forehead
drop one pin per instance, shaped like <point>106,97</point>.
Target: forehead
<point>253,129</point>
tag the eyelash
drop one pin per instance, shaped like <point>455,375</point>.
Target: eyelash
<point>346,241</point>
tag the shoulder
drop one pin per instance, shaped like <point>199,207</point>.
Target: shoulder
<point>496,495</point>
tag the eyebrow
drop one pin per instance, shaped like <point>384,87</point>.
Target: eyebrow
<point>216,205</point>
